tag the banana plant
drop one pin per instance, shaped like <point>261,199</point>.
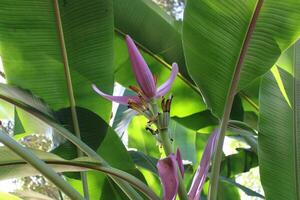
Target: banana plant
<point>228,69</point>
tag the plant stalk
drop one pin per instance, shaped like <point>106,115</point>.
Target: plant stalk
<point>166,143</point>
<point>39,165</point>
<point>168,148</point>
<point>213,188</point>
<point>70,92</point>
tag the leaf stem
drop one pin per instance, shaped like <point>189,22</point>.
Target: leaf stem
<point>296,108</point>
<point>213,188</point>
<point>39,165</point>
<point>165,141</point>
<point>70,91</point>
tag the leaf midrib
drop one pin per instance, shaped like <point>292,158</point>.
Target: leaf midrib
<point>295,119</point>
<point>229,100</point>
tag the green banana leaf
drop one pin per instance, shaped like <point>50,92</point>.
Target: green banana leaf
<point>214,33</point>
<point>278,140</point>
<point>32,56</point>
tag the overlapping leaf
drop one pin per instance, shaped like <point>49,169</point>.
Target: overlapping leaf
<point>214,34</point>
<point>279,137</point>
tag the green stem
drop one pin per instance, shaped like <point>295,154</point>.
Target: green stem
<point>153,107</point>
<point>39,165</point>
<point>168,148</point>
<point>166,142</point>
<point>70,91</point>
<point>214,181</point>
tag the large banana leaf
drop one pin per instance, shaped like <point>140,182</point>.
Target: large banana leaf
<point>215,45</point>
<point>250,94</point>
<point>32,57</point>
<point>279,137</point>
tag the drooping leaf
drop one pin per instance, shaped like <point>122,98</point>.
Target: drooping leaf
<point>25,122</point>
<point>14,94</point>
<point>37,110</point>
<point>279,132</point>
<point>214,33</point>
<point>13,166</point>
